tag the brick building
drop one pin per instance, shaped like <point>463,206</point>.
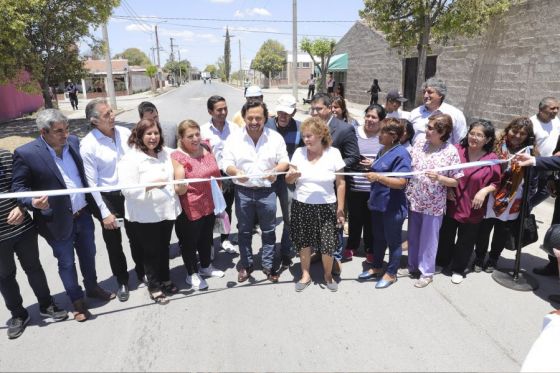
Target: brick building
<point>499,75</point>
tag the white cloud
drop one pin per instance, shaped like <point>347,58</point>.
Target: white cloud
<point>252,12</point>
<point>136,27</point>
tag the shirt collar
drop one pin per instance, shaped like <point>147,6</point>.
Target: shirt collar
<point>52,151</point>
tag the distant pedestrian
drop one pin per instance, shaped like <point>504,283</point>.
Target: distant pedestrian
<point>374,91</point>
<point>246,84</point>
<point>72,94</point>
<point>330,84</point>
<point>339,90</point>
<point>311,86</point>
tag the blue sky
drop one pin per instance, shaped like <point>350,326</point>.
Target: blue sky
<point>202,41</point>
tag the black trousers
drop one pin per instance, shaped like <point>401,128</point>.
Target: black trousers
<point>229,195</point>
<point>195,236</point>
<point>113,241</point>
<point>498,240</point>
<point>456,253</point>
<point>359,219</point>
<point>555,220</point>
<point>310,91</point>
<point>153,240</point>
<point>26,248</point>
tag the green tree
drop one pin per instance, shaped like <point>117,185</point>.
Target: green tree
<point>270,59</point>
<point>151,71</point>
<point>227,56</point>
<point>416,23</point>
<point>323,49</point>
<point>134,56</point>
<point>221,69</point>
<point>211,69</point>
<point>178,68</point>
<point>52,30</point>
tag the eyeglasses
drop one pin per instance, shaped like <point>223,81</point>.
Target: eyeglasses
<point>476,136</point>
<point>317,108</point>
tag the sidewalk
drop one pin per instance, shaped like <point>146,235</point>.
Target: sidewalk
<point>124,103</point>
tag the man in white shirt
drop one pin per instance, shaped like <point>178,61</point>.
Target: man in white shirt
<point>101,149</point>
<point>216,132</point>
<point>147,110</point>
<point>255,150</point>
<point>393,102</point>
<point>435,92</point>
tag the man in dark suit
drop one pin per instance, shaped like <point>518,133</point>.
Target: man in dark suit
<point>344,139</point>
<point>52,161</point>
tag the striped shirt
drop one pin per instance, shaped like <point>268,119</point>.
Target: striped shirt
<point>369,147</point>
<point>8,231</point>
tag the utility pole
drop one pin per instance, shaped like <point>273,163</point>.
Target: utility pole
<point>109,68</point>
<point>180,74</point>
<point>294,50</point>
<point>158,60</point>
<point>241,80</point>
<point>172,56</point>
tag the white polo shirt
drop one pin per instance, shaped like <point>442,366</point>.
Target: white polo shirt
<point>546,135</point>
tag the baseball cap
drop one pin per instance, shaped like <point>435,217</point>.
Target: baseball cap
<point>253,91</point>
<point>395,95</point>
<point>286,103</point>
<point>552,239</point>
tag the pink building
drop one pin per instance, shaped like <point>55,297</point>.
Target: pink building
<point>14,103</point>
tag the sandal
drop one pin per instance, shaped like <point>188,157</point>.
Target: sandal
<point>169,288</point>
<point>159,297</point>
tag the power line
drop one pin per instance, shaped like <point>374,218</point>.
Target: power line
<point>143,26</point>
<point>236,20</point>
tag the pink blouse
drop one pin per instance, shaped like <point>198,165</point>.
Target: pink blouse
<point>426,196</point>
<point>197,201</point>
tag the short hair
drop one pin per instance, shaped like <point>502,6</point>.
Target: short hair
<point>393,126</point>
<point>409,129</point>
<point>546,102</point>
<point>135,139</point>
<point>380,110</point>
<point>436,84</point>
<point>92,110</point>
<point>48,117</point>
<point>323,97</point>
<point>213,100</point>
<point>488,130</point>
<point>443,124</point>
<point>318,127</point>
<point>186,124</point>
<point>517,124</point>
<point>146,106</point>
<point>252,103</point>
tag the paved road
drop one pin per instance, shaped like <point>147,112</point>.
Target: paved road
<point>475,326</point>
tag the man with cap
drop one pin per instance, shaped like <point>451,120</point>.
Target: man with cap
<point>254,92</point>
<point>435,91</point>
<point>393,101</point>
<point>285,124</point>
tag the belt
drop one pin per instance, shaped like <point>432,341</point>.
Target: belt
<point>79,212</point>
<point>254,187</point>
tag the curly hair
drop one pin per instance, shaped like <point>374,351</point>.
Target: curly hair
<point>393,126</point>
<point>443,124</point>
<point>515,125</point>
<point>137,134</point>
<point>318,127</point>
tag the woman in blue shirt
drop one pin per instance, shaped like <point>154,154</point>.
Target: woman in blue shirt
<point>387,202</point>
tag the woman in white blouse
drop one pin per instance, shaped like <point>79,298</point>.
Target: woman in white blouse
<point>151,210</point>
<point>317,208</point>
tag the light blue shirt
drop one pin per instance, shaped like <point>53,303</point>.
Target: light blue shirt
<point>70,174</point>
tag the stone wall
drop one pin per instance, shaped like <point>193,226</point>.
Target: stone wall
<point>497,76</point>
<point>369,57</point>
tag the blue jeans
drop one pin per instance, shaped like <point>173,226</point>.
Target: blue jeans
<point>83,240</point>
<point>285,193</point>
<point>387,231</point>
<point>256,205</point>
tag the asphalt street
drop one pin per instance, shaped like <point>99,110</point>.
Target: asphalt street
<point>477,325</point>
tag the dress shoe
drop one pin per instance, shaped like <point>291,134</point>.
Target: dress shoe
<point>244,274</point>
<point>98,292</point>
<point>286,261</point>
<point>301,286</point>
<point>384,283</point>
<point>81,312</point>
<point>547,270</point>
<point>123,293</point>
<point>348,254</point>
<point>271,275</point>
<point>336,270</point>
<point>369,274</point>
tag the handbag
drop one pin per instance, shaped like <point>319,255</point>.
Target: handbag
<point>222,224</point>
<point>530,232</point>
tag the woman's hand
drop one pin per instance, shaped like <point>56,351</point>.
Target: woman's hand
<point>292,175</point>
<point>372,177</point>
<point>478,199</point>
<point>340,218</point>
<point>451,195</point>
<point>366,162</point>
<point>433,176</point>
<point>162,180</point>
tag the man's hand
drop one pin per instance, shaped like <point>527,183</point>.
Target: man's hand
<point>271,178</point>
<point>241,179</point>
<point>524,159</point>
<point>40,203</point>
<point>16,216</point>
<point>110,222</point>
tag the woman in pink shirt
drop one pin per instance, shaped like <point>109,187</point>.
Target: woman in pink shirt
<point>195,224</point>
<point>466,203</point>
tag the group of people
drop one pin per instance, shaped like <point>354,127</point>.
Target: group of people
<point>323,170</point>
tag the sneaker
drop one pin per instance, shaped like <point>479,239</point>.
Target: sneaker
<point>405,272</point>
<point>210,272</point>
<point>347,254</point>
<point>16,326</point>
<point>369,258</point>
<point>332,286</point>
<point>54,312</point>
<point>477,266</point>
<point>490,266</point>
<point>422,282</point>
<point>196,282</point>
<point>457,278</point>
<point>228,247</point>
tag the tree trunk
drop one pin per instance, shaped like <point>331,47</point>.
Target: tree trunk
<point>323,80</point>
<point>422,58</point>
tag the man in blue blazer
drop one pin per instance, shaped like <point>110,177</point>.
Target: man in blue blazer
<point>52,161</point>
<point>344,139</point>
